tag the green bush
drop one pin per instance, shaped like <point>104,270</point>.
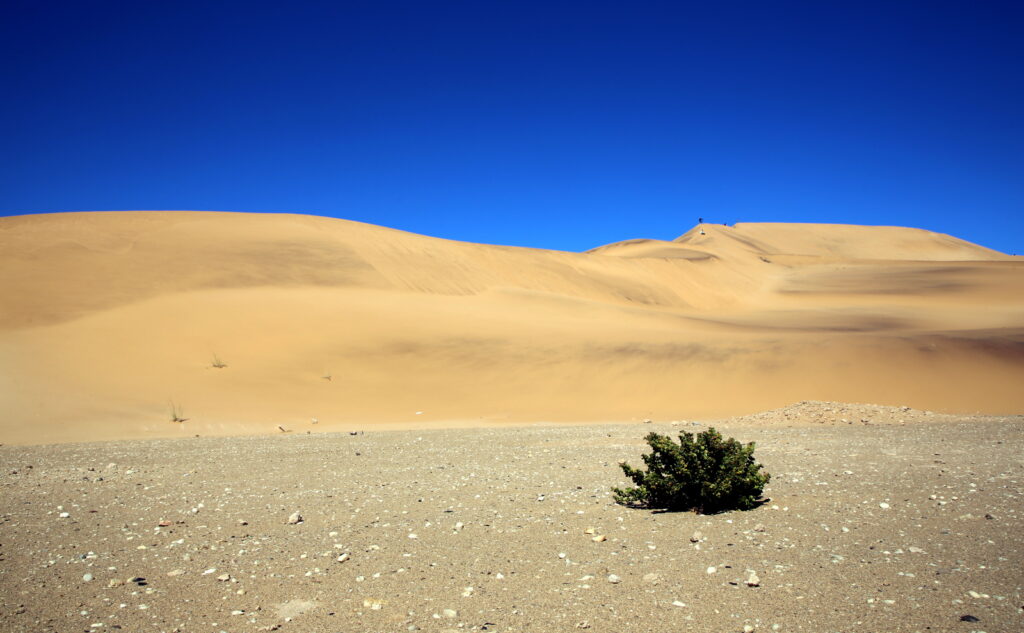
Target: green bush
<point>706,474</point>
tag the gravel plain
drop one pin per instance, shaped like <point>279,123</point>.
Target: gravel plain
<point>878,519</point>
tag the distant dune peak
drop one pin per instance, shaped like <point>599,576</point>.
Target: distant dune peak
<point>848,241</point>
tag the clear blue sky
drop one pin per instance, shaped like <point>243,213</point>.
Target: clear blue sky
<point>551,124</point>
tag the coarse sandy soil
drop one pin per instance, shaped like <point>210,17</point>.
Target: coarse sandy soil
<point>112,324</point>
<point>879,519</point>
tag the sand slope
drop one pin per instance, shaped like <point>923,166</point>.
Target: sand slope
<point>107,318</point>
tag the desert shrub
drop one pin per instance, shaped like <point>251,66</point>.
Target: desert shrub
<point>704,473</point>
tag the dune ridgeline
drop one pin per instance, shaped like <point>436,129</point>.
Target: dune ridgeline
<point>113,324</point>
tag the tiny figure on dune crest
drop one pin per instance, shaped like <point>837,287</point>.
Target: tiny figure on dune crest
<point>704,473</point>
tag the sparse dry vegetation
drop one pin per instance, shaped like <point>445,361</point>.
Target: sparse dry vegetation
<point>177,413</point>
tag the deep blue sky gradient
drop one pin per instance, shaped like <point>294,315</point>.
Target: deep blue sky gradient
<point>550,124</point>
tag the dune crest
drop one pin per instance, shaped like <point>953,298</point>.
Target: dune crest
<point>108,318</point>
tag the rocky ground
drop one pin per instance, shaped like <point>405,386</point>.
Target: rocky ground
<point>879,519</point>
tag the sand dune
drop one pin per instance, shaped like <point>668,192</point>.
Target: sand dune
<point>108,318</point>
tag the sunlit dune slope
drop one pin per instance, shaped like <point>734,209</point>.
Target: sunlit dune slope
<point>112,322</point>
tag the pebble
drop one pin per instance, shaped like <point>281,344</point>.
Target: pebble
<point>614,579</point>
<point>712,570</point>
<point>87,578</point>
<point>753,580</point>
<point>295,518</point>
<point>697,537</point>
<point>883,505</point>
<point>64,515</point>
<point>450,613</point>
